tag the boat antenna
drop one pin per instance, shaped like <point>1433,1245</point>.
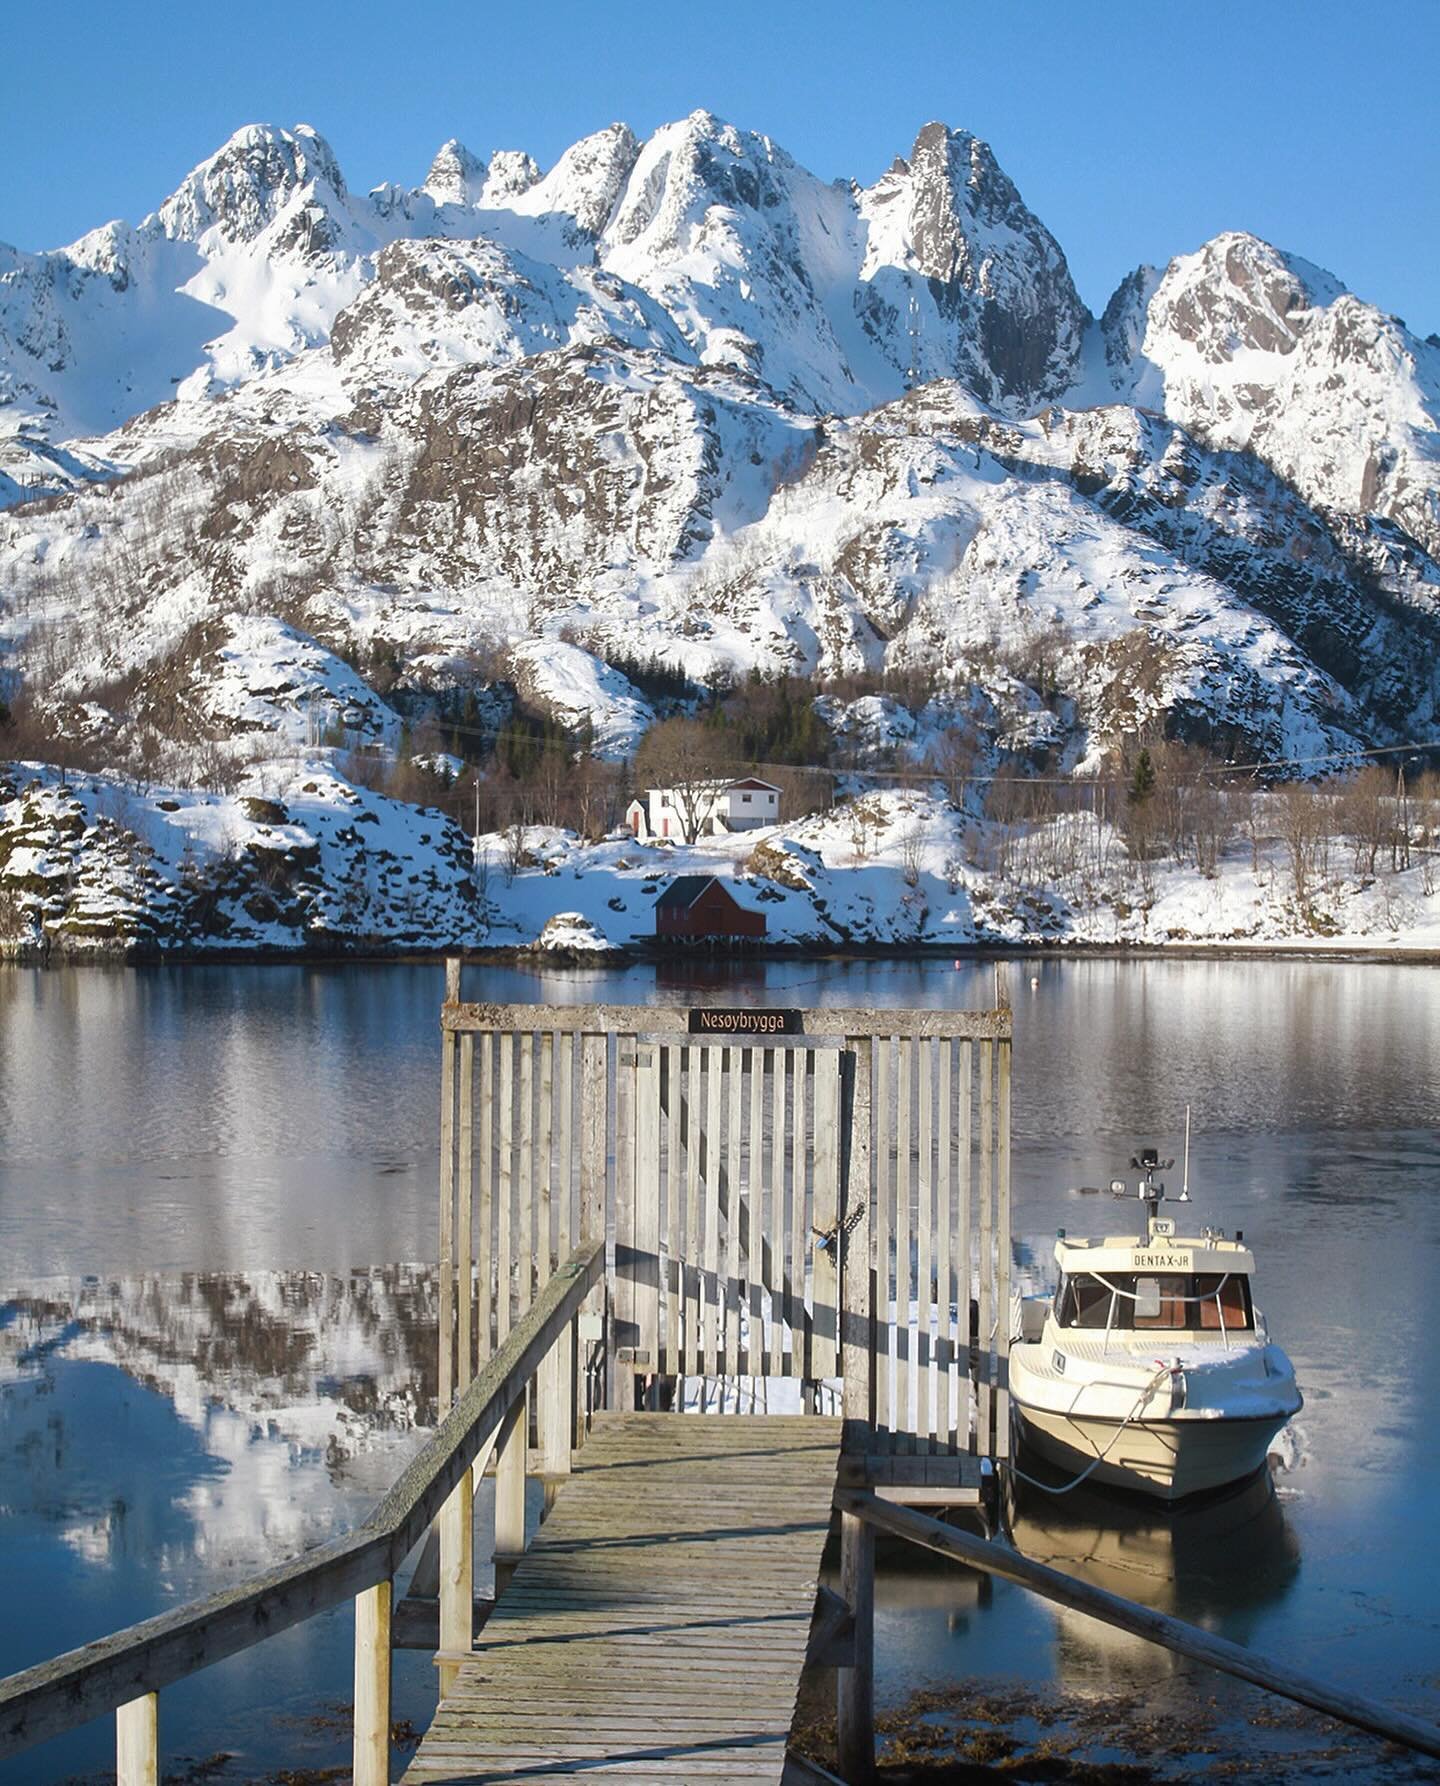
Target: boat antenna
<point>1185,1176</point>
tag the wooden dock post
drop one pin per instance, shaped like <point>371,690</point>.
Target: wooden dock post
<point>372,1687</point>
<point>510,1492</point>
<point>855,1686</point>
<point>137,1742</point>
<point>555,1389</point>
<point>457,1577</point>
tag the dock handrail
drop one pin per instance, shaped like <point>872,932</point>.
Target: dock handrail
<point>123,1672</point>
<point>863,1514</point>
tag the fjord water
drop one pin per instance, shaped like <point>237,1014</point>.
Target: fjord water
<point>218,1192</point>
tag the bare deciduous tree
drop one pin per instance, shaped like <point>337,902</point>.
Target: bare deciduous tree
<point>687,757</point>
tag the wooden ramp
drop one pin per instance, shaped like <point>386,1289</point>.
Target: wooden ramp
<point>657,1627</point>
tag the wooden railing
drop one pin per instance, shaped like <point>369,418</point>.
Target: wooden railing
<point>124,1673</point>
<point>862,1515</point>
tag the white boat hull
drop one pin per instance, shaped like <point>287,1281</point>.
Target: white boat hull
<point>1166,1458</point>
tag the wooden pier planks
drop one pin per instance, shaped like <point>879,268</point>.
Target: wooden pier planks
<point>657,1627</point>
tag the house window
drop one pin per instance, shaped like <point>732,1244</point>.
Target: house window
<point>744,799</point>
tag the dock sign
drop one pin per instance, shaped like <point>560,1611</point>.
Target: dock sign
<point>745,1020</point>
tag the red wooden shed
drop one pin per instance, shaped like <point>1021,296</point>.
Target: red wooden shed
<point>700,905</point>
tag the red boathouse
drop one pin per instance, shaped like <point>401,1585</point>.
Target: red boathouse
<point>699,906</point>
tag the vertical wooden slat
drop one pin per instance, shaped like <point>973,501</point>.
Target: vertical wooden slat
<point>694,1256</point>
<point>545,1166</point>
<point>646,1215</point>
<point>623,1287</point>
<point>925,1298</point>
<point>137,1739</point>
<point>985,1191</point>
<point>904,1342</point>
<point>776,1277</point>
<point>371,1752</point>
<point>755,1362</point>
<point>714,1256</point>
<point>674,1282</point>
<point>565,1229</point>
<point>554,1418</point>
<point>505,1237</point>
<point>527,1153</point>
<point>796,1315</point>
<point>883,1330</point>
<point>1002,1219</point>
<point>730,1179</point>
<point>825,1298</point>
<point>594,1134</point>
<point>964,1216</point>
<point>465,1219</point>
<point>457,1587</point>
<point>447,1220</point>
<point>944,1251</point>
<point>485,1248</point>
<point>857,1272</point>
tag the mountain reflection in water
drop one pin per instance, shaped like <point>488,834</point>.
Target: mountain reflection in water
<point>156,1432</point>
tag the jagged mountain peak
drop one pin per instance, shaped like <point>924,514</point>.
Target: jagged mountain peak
<point>950,214</point>
<point>456,176</point>
<point>690,166</point>
<point>1237,291</point>
<point>512,172</point>
<point>244,186</point>
<point>587,181</point>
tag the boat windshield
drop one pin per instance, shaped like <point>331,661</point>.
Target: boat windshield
<point>1172,1302</point>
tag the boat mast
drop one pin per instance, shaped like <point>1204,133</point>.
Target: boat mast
<point>1149,1162</point>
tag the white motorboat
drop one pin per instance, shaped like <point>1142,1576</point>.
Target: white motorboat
<point>1151,1367</point>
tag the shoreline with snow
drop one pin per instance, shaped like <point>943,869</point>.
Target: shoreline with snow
<point>300,864</point>
<point>521,955</point>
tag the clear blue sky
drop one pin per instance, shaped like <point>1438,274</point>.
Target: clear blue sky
<point>1134,128</point>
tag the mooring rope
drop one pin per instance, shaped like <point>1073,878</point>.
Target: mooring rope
<point>1163,1370</point>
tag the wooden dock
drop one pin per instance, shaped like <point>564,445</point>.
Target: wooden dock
<point>633,1215</point>
<point>657,1626</point>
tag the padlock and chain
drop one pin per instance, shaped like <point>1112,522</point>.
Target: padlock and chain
<point>827,1238</point>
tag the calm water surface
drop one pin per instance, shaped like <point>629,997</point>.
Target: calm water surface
<point>216,1342</point>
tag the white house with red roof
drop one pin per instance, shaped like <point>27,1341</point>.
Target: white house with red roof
<point>704,809</point>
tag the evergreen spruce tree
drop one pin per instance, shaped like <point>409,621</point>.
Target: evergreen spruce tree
<point>1142,782</point>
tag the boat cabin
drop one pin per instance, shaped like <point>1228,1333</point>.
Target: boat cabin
<point>1159,1285</point>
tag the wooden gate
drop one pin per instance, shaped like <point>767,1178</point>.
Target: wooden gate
<point>811,1220</point>
<point>728,1170</point>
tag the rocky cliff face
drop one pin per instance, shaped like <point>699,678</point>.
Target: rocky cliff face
<point>1007,316</point>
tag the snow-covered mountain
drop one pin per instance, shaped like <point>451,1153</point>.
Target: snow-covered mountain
<point>681,399</point>
<point>1259,351</point>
